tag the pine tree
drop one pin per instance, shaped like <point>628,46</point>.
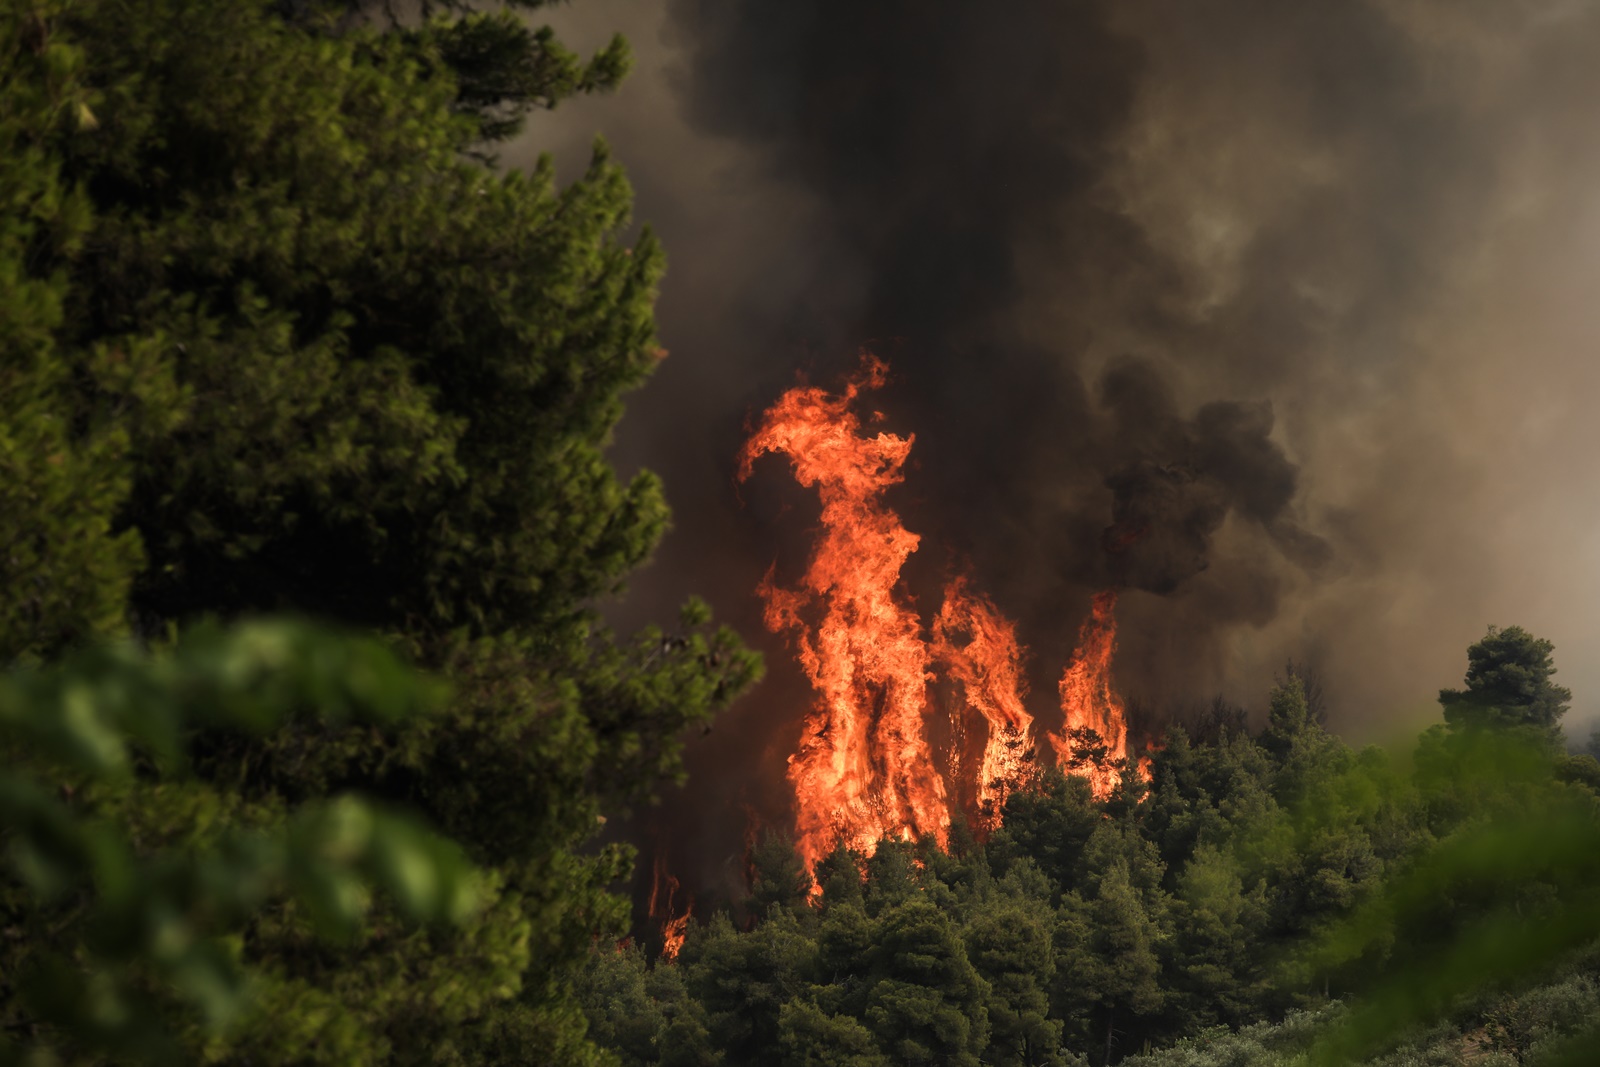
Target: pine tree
<point>1050,825</point>
<point>1010,945</point>
<point>778,877</point>
<point>1508,684</point>
<point>277,340</point>
<point>1218,973</point>
<point>926,1002</point>
<point>808,1037</point>
<point>745,979</point>
<point>1110,938</point>
<point>65,564</point>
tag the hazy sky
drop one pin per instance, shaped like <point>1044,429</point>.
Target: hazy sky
<point>1334,261</point>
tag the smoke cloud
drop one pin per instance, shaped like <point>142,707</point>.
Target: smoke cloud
<point>1221,462</point>
<point>1276,314</point>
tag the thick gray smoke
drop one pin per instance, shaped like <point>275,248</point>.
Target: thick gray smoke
<point>1276,313</point>
<point>1191,475</point>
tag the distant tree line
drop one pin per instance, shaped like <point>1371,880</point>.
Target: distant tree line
<point>1252,877</point>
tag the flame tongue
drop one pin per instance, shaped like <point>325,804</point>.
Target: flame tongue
<point>864,769</point>
<point>1094,735</point>
<point>978,647</point>
<point>663,891</point>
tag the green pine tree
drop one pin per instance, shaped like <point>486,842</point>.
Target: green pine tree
<point>277,339</point>
<point>925,1003</point>
<point>808,1037</point>
<point>1508,684</point>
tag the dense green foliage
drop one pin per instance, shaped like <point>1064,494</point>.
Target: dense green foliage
<point>1547,1025</point>
<point>1253,877</point>
<point>133,882</point>
<point>274,338</point>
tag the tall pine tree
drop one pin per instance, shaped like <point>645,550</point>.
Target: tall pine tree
<point>278,340</point>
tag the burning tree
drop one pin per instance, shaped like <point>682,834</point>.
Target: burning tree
<point>864,769</point>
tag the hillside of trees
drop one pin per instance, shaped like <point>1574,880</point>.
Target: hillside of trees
<point>310,724</point>
<point>1255,877</point>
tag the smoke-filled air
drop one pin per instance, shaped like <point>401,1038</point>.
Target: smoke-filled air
<point>1264,319</point>
<point>696,533</point>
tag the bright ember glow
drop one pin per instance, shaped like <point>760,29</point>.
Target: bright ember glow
<point>864,769</point>
<point>1094,734</point>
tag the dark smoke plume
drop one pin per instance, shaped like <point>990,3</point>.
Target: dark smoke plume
<point>1168,504</point>
<point>1286,305</point>
<point>941,144</point>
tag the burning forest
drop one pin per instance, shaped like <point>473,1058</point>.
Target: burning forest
<point>358,612</point>
<point>865,769</point>
<point>1112,891</point>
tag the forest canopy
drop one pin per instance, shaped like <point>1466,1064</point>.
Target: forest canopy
<point>1267,896</point>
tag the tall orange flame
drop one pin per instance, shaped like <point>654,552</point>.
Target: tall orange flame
<point>864,769</point>
<point>978,648</point>
<point>1094,735</point>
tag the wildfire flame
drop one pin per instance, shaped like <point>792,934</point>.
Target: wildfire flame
<point>864,770</point>
<point>1094,735</point>
<point>978,648</point>
<point>673,927</point>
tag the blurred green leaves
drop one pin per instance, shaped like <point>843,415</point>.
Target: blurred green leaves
<point>134,885</point>
<point>1508,894</point>
<point>99,709</point>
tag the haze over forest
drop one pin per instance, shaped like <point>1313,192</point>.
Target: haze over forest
<point>1091,422</point>
<point>1377,217</point>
